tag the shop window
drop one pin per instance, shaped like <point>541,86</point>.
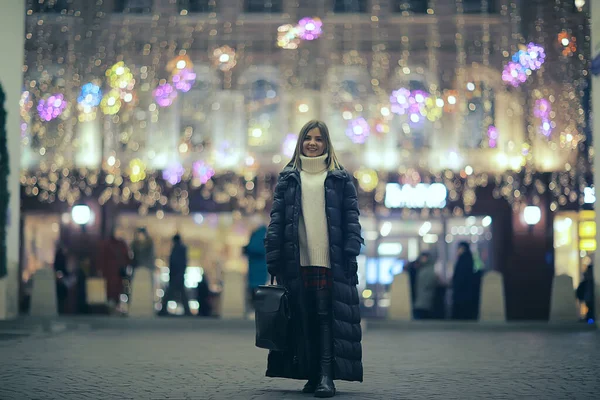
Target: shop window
<point>196,6</point>
<point>477,7</point>
<point>49,6</point>
<point>350,6</point>
<point>412,6</point>
<point>263,6</point>
<point>134,6</point>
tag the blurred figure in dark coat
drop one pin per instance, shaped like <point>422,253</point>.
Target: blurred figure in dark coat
<point>257,263</point>
<point>463,284</point>
<point>177,265</point>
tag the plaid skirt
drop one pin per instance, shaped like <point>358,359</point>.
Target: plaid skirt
<point>317,278</point>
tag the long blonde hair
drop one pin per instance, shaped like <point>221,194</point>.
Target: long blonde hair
<point>332,161</point>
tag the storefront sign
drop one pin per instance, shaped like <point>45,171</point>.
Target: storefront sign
<point>420,196</point>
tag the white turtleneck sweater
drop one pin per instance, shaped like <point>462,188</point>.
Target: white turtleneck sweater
<point>312,230</point>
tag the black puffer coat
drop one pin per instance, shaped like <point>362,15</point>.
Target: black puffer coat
<point>283,261</point>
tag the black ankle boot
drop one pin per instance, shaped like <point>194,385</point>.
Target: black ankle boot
<point>325,388</point>
<point>311,385</point>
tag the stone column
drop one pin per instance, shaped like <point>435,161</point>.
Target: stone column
<point>595,14</point>
<point>12,37</point>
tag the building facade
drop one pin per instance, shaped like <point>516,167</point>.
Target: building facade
<point>445,110</point>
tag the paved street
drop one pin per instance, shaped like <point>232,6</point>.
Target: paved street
<point>169,359</point>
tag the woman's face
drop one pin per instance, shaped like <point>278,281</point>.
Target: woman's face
<point>314,144</point>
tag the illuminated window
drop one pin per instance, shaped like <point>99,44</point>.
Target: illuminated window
<point>412,6</point>
<point>133,6</point>
<point>263,6</point>
<point>350,6</point>
<point>477,7</point>
<point>196,6</point>
<point>49,6</point>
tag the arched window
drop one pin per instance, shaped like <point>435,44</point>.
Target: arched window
<point>350,6</point>
<point>347,99</point>
<point>262,98</point>
<point>196,109</point>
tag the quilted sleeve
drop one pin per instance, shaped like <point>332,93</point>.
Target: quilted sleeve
<point>274,237</point>
<point>352,227</point>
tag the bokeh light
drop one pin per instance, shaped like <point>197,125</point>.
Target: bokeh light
<point>51,107</point>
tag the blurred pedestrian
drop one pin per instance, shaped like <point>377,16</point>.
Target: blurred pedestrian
<point>312,243</point>
<point>257,264</point>
<point>463,284</point>
<point>203,296</point>
<point>178,261</point>
<point>585,292</point>
<point>62,277</point>
<point>426,286</point>
<point>112,260</point>
<point>143,250</point>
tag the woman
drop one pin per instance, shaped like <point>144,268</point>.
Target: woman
<point>463,284</point>
<point>312,243</point>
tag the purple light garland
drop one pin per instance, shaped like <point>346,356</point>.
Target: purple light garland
<point>164,94</point>
<point>52,107</point>
<point>358,130</point>
<point>492,134</point>
<point>173,173</point>
<point>310,28</point>
<point>184,79</point>
<point>202,171</point>
<point>542,110</point>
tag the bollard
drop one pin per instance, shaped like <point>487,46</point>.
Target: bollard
<point>400,304</point>
<point>43,294</point>
<point>233,297</point>
<point>563,307</point>
<point>141,301</point>
<point>492,298</point>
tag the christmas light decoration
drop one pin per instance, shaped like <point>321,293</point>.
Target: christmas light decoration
<point>120,76</point>
<point>179,63</point>
<point>288,37</point>
<point>358,130</point>
<point>367,179</point>
<point>224,58</point>
<point>310,28</point>
<point>173,173</point>
<point>90,97</point>
<point>111,102</point>
<point>202,171</point>
<point>51,107</point>
<point>184,79</point>
<point>514,74</point>
<point>137,170</point>
<point>400,101</point>
<point>492,134</point>
<point>164,94</point>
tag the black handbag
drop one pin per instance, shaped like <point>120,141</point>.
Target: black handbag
<point>272,317</point>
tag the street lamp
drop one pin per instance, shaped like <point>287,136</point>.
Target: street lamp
<point>532,215</point>
<point>81,215</point>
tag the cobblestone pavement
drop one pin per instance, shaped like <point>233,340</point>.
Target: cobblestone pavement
<point>124,359</point>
